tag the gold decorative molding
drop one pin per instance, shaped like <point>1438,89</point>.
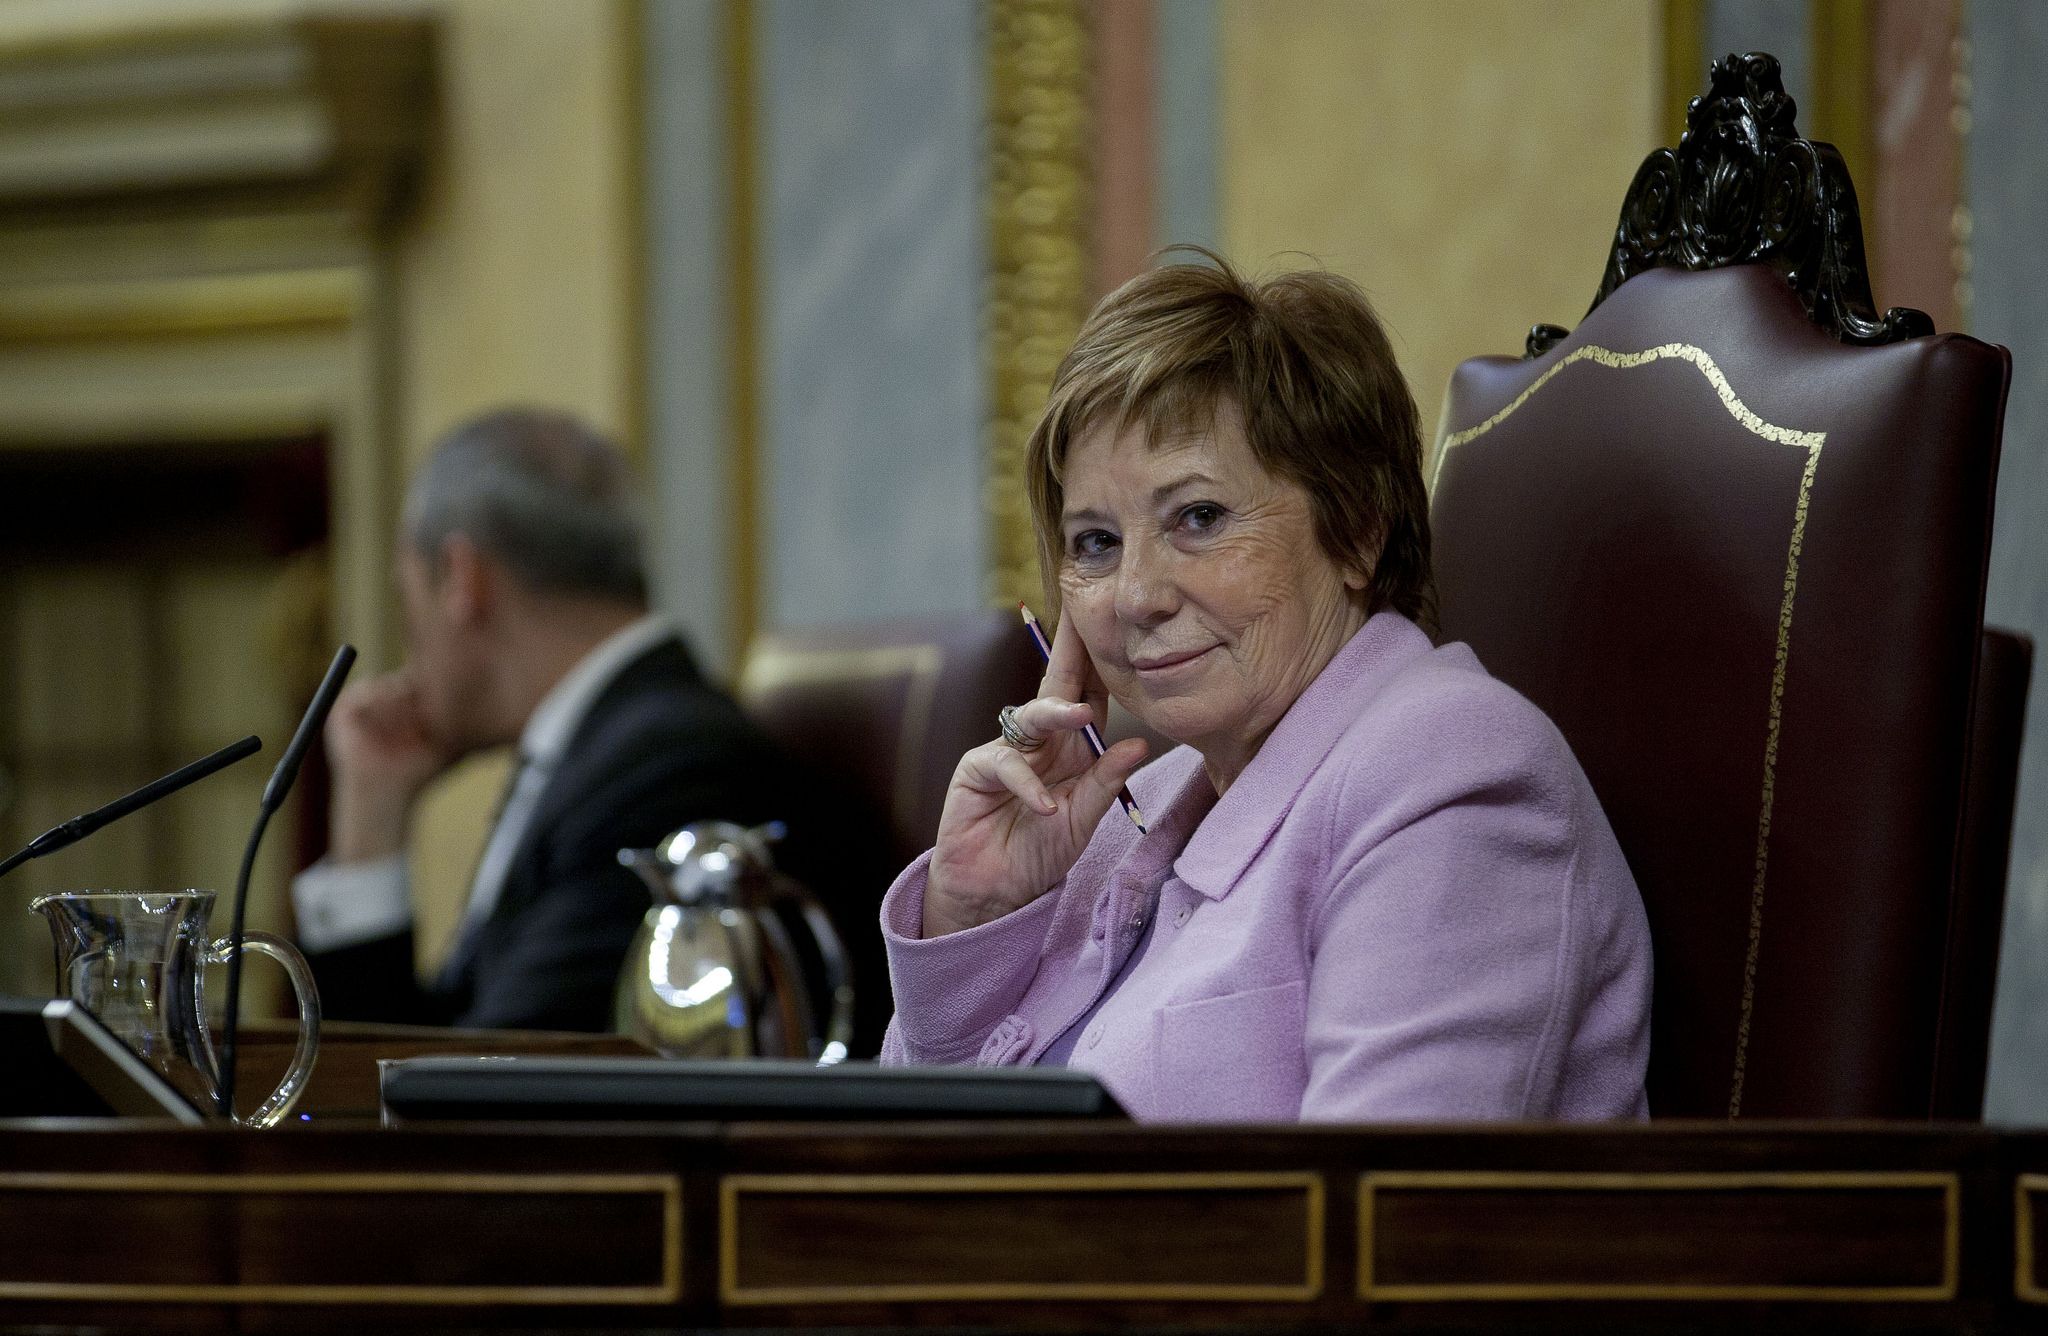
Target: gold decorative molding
<point>1040,275</point>
<point>198,304</point>
<point>1685,61</point>
<point>192,108</point>
<point>1809,441</point>
<point>1372,1288</point>
<point>1840,37</point>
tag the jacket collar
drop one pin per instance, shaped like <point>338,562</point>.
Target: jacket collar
<point>561,712</point>
<point>1232,833</point>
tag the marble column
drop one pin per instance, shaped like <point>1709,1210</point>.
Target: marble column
<point>2005,185</point>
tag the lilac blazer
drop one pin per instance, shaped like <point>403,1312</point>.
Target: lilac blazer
<point>1408,906</point>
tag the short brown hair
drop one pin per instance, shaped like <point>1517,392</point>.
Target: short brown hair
<point>1307,365</point>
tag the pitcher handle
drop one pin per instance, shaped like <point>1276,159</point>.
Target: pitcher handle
<point>279,1102</point>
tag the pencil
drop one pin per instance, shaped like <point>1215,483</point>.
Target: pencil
<point>1123,795</point>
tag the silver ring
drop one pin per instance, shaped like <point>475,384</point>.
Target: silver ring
<point>1013,732</point>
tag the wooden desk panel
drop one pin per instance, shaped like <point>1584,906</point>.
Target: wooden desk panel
<point>1560,1236</point>
<point>1022,1237</point>
<point>1023,1227</point>
<point>308,1238</point>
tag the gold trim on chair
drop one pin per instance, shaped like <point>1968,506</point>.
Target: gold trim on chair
<point>1811,442</point>
<point>1791,1181</point>
<point>731,1188</point>
<point>667,1187</point>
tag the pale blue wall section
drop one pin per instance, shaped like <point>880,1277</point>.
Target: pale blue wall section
<point>1184,108</point>
<point>1780,27</point>
<point>870,140</point>
<point>2006,186</point>
<point>688,316</point>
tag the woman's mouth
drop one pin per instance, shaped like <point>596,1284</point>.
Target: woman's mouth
<point>1162,663</point>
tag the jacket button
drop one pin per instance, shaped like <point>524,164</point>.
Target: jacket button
<point>1181,915</point>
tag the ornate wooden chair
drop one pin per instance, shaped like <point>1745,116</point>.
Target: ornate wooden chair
<point>1731,534</point>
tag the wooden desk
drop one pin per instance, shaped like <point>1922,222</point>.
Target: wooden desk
<point>1024,1227</point>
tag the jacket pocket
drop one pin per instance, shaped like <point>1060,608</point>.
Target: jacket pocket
<point>1234,1058</point>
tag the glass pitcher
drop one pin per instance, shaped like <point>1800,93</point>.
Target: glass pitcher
<point>137,962</point>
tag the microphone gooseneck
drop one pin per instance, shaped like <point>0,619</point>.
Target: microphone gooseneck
<point>78,827</point>
<point>281,781</point>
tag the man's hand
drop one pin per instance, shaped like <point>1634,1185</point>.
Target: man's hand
<point>382,754</point>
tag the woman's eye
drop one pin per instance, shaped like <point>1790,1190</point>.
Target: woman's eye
<point>1201,516</point>
<point>1093,544</point>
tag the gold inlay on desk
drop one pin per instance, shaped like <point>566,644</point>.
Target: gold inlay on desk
<point>253,1226</point>
<point>2030,1196</point>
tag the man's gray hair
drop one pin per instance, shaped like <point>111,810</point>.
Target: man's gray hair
<point>541,493</point>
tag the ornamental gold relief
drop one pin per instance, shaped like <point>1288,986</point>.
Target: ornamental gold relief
<point>1039,281</point>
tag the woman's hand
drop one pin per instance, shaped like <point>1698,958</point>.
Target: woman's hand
<point>1015,821</point>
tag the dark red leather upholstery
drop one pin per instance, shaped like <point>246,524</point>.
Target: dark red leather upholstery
<point>886,708</point>
<point>2005,662</point>
<point>1742,566</point>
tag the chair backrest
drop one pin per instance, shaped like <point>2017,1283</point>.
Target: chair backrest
<point>886,708</point>
<point>1740,560</point>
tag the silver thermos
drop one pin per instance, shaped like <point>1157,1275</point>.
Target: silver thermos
<point>713,972</point>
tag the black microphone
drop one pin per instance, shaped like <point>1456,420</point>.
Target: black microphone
<point>78,827</point>
<point>281,780</point>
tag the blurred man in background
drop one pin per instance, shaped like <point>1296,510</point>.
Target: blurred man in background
<point>527,622</point>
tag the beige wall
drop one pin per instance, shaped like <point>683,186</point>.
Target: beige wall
<point>1464,163</point>
<point>517,267</point>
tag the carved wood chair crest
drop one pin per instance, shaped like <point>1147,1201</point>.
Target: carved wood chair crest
<point>1743,188</point>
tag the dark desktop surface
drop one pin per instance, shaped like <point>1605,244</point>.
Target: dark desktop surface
<point>600,1089</point>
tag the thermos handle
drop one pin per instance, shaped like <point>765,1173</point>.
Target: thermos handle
<point>795,1018</point>
<point>838,1037</point>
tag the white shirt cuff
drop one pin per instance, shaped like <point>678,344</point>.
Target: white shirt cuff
<point>341,904</point>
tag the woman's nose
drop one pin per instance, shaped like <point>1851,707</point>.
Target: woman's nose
<point>1146,591</point>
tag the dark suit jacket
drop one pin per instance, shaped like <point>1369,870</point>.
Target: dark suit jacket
<point>658,749</point>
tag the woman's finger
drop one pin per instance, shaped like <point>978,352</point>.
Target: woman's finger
<point>1097,788</point>
<point>1067,669</point>
<point>1070,673</point>
<point>1049,716</point>
<point>1020,779</point>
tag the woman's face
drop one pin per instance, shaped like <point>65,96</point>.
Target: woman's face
<point>1196,582</point>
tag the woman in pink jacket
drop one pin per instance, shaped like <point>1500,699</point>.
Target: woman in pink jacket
<point>1374,883</point>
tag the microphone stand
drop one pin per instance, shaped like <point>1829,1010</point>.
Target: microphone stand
<point>281,780</point>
